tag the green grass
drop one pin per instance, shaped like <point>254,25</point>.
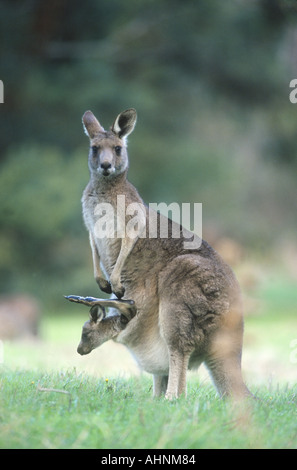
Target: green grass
<point>121,414</point>
<point>108,405</point>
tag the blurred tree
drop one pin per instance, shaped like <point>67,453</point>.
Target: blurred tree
<point>211,82</point>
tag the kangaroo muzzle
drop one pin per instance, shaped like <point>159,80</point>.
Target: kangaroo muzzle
<point>106,164</point>
<point>83,350</point>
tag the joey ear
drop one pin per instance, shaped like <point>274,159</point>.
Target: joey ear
<point>97,313</point>
<point>125,318</point>
<point>125,123</point>
<point>91,125</point>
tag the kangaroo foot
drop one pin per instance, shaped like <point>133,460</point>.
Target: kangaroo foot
<point>126,307</point>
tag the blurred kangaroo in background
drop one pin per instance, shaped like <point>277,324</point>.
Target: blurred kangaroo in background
<point>188,301</point>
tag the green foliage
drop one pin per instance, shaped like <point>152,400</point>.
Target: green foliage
<point>35,198</point>
<point>210,81</point>
<point>104,409</point>
<point>41,215</point>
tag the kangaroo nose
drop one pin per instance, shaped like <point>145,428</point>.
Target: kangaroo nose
<point>105,165</point>
<point>81,350</point>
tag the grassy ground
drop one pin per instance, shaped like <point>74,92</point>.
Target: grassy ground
<point>50,397</point>
<point>120,414</point>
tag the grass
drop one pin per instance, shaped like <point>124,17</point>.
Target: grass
<point>108,404</point>
<point>121,414</point>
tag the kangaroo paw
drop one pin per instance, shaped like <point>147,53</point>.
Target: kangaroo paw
<point>104,285</point>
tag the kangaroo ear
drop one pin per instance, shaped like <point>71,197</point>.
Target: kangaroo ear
<point>125,123</point>
<point>97,313</point>
<point>124,319</point>
<point>91,126</point>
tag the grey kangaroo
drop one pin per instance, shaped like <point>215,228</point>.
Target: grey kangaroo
<point>188,302</point>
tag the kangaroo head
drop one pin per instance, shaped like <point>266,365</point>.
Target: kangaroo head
<point>100,329</point>
<point>108,149</point>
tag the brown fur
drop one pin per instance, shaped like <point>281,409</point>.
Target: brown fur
<point>188,300</point>
<point>100,329</point>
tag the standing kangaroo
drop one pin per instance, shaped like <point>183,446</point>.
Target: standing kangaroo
<point>188,301</point>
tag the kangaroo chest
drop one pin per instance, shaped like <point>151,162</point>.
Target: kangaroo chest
<point>101,220</point>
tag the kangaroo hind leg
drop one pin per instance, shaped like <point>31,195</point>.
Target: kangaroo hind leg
<point>175,327</point>
<point>160,385</point>
<point>177,380</point>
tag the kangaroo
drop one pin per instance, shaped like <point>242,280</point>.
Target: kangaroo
<point>100,329</point>
<point>188,301</point>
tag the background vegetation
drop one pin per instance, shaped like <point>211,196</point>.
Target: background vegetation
<point>210,81</point>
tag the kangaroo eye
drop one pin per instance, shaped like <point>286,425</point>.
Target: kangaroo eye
<point>85,335</point>
<point>118,150</point>
<point>94,149</point>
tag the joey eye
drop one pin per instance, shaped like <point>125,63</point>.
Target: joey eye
<point>118,150</point>
<point>85,335</point>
